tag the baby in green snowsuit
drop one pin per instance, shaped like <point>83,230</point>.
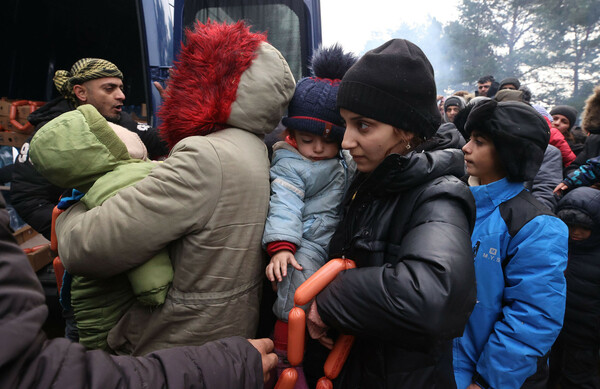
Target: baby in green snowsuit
<point>80,149</point>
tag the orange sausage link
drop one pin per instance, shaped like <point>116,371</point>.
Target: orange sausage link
<point>337,357</point>
<point>324,383</point>
<point>287,379</point>
<point>296,333</point>
<point>53,241</point>
<point>34,248</point>
<point>319,280</point>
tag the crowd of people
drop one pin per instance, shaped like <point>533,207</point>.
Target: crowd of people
<point>473,221</point>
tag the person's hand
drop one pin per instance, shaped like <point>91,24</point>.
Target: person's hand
<point>160,89</point>
<point>317,329</point>
<point>473,386</point>
<point>277,268</point>
<point>560,188</point>
<point>269,358</point>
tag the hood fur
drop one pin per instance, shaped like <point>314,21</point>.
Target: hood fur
<point>205,81</point>
<point>591,113</point>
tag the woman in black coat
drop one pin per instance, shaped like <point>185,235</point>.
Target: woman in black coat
<point>407,225</point>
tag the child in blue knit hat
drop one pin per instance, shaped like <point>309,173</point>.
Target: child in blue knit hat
<point>309,175</point>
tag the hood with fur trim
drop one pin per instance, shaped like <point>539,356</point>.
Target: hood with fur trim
<point>591,113</point>
<point>226,76</point>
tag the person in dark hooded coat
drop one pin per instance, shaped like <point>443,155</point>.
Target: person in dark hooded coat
<point>407,224</point>
<point>575,354</point>
<point>30,360</point>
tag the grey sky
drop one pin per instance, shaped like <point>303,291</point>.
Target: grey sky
<point>353,23</point>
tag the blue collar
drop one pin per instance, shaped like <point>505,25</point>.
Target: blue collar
<point>494,194</point>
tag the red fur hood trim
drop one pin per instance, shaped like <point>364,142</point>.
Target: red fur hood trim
<point>205,79</point>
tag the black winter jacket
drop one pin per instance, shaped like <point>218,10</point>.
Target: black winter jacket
<point>32,196</point>
<point>408,227</point>
<point>581,326</point>
<point>29,360</point>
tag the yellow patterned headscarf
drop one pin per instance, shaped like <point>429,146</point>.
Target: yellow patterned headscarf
<point>85,69</point>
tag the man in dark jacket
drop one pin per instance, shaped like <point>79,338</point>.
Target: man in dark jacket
<point>29,360</point>
<point>487,86</point>
<point>90,81</point>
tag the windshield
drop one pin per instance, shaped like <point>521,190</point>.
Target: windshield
<point>284,21</point>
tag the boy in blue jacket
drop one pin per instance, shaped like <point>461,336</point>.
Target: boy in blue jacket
<point>520,253</point>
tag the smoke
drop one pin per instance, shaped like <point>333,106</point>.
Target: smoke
<point>430,38</point>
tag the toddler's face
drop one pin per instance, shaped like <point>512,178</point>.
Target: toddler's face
<point>316,147</point>
<point>577,232</point>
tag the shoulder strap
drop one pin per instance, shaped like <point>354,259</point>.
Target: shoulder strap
<point>519,211</point>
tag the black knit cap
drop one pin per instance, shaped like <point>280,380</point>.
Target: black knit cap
<point>393,84</point>
<point>519,133</point>
<point>510,80</point>
<point>567,111</point>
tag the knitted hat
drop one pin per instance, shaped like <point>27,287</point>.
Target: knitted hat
<point>85,69</point>
<point>567,111</point>
<point>393,84</point>
<point>453,101</point>
<point>313,108</point>
<point>542,111</point>
<point>510,80</point>
<point>518,132</point>
<point>456,101</point>
<point>590,119</point>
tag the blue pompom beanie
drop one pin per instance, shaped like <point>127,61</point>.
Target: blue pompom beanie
<point>313,108</point>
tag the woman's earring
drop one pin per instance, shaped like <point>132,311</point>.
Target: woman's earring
<point>407,146</point>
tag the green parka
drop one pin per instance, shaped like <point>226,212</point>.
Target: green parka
<point>79,149</point>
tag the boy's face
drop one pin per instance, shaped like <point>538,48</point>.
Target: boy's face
<point>577,232</point>
<point>451,112</point>
<point>315,147</point>
<point>482,160</point>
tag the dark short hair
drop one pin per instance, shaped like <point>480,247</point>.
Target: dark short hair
<point>485,79</point>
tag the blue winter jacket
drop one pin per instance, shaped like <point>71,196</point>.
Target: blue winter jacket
<point>305,208</point>
<point>585,175</point>
<point>520,255</point>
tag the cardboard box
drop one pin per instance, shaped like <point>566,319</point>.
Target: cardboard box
<point>22,112</point>
<point>11,138</point>
<point>5,124</point>
<point>41,257</point>
<point>24,233</point>
<point>5,107</point>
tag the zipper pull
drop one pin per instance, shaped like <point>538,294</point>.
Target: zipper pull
<point>476,249</point>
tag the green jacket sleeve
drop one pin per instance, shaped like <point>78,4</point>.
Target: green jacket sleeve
<point>177,197</point>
